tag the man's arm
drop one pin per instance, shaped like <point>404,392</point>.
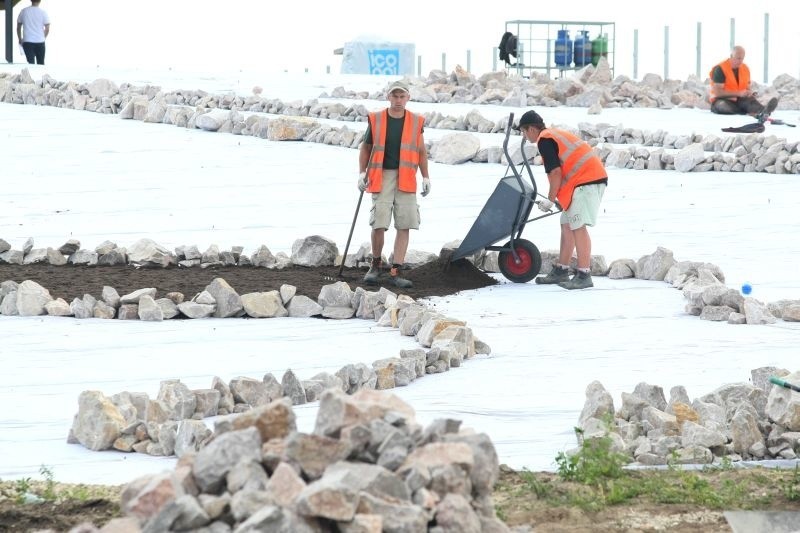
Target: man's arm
<point>718,79</point>
<point>720,92</point>
<point>363,156</point>
<point>364,150</point>
<point>423,157</point>
<point>554,177</point>
<point>19,32</point>
<point>548,149</point>
<point>46,30</point>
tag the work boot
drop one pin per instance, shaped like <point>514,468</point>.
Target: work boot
<point>397,281</point>
<point>557,275</point>
<point>767,111</point>
<point>581,280</point>
<point>373,273</point>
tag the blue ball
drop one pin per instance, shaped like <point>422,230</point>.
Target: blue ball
<point>746,288</point>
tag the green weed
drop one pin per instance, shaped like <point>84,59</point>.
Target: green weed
<point>791,486</point>
<point>49,492</point>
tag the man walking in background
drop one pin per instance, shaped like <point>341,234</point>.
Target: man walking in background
<point>33,26</point>
<point>391,152</point>
<point>730,89</point>
<point>577,180</point>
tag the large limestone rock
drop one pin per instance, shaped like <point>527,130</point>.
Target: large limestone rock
<point>656,265</point>
<point>455,148</point>
<point>98,422</point>
<point>32,298</point>
<point>314,251</point>
<point>290,128</point>
<point>228,302</point>
<point>783,405</point>
<point>146,252</point>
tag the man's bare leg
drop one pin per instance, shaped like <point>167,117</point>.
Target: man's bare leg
<point>401,246</point>
<point>583,245</point>
<point>567,245</point>
<point>376,239</point>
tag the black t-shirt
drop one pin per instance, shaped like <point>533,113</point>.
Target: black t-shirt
<point>718,76</point>
<point>548,148</point>
<point>394,134</point>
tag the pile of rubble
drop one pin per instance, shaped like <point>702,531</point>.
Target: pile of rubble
<point>366,467</point>
<point>739,421</point>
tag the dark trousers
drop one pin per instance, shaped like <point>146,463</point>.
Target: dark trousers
<point>34,52</point>
<point>745,105</point>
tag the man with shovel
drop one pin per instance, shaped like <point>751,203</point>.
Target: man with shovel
<point>577,181</point>
<point>391,152</point>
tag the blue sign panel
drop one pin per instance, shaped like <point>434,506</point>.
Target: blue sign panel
<point>384,61</point>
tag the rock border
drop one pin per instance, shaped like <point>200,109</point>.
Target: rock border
<point>655,150</point>
<point>703,284</point>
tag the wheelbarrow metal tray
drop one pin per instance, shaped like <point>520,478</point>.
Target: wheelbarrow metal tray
<point>506,209</point>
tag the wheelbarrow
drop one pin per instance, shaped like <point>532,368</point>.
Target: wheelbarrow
<point>505,216</point>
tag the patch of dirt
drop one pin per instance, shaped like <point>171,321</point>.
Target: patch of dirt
<point>70,281</point>
<point>56,516</point>
<point>555,506</point>
<point>764,489</point>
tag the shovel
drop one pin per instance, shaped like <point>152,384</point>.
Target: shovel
<point>355,216</point>
<point>350,236</point>
<point>782,383</point>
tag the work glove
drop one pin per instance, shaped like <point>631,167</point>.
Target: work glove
<point>545,205</point>
<point>363,182</point>
<point>426,186</point>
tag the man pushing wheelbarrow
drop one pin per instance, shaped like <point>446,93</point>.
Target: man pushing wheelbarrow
<point>577,180</point>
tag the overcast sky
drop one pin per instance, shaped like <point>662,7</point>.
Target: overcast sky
<point>256,34</point>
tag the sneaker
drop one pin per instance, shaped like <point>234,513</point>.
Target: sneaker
<point>397,281</point>
<point>372,275</point>
<point>581,280</point>
<point>767,111</point>
<point>557,275</point>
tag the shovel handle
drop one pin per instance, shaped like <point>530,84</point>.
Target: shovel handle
<point>350,236</point>
<point>782,383</point>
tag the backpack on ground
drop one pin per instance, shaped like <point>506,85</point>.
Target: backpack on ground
<point>754,127</point>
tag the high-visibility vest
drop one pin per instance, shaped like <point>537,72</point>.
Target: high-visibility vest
<point>410,142</point>
<point>579,164</point>
<point>731,81</point>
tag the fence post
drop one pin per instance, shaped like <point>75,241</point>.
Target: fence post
<point>766,47</point>
<point>636,54</point>
<point>666,52</point>
<point>419,66</point>
<point>494,61</point>
<point>444,61</point>
<point>9,25</point>
<point>469,60</point>
<point>733,32</point>
<point>699,47</point>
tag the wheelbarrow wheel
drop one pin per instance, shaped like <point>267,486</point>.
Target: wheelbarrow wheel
<point>530,261</point>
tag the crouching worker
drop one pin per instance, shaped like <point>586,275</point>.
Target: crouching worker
<point>390,154</point>
<point>731,91</point>
<point>577,180</point>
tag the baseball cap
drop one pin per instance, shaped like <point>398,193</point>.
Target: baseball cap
<point>531,118</point>
<point>398,86</point>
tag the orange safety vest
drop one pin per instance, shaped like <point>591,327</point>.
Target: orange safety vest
<point>579,164</point>
<point>409,151</point>
<point>731,82</point>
